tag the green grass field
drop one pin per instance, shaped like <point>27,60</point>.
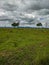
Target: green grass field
<point>24,46</point>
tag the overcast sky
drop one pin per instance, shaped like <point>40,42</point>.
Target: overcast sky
<point>24,10</point>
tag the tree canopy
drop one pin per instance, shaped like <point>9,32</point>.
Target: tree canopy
<point>15,24</point>
<point>39,24</point>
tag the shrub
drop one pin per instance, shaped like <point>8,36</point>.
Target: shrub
<point>15,24</point>
<point>39,24</point>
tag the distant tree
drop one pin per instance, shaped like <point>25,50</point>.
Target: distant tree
<point>39,24</point>
<point>15,24</point>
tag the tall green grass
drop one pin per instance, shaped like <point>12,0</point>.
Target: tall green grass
<point>24,46</point>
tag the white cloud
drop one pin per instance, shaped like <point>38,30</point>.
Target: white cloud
<point>25,10</point>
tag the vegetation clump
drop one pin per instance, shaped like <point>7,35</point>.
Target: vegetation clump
<point>15,24</point>
<point>39,24</point>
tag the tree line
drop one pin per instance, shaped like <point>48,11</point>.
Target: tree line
<point>17,24</point>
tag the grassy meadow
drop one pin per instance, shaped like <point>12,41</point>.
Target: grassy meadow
<point>24,46</point>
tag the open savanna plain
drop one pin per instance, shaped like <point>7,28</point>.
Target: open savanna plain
<point>24,46</point>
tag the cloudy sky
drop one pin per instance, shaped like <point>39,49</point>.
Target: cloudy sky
<point>24,10</point>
